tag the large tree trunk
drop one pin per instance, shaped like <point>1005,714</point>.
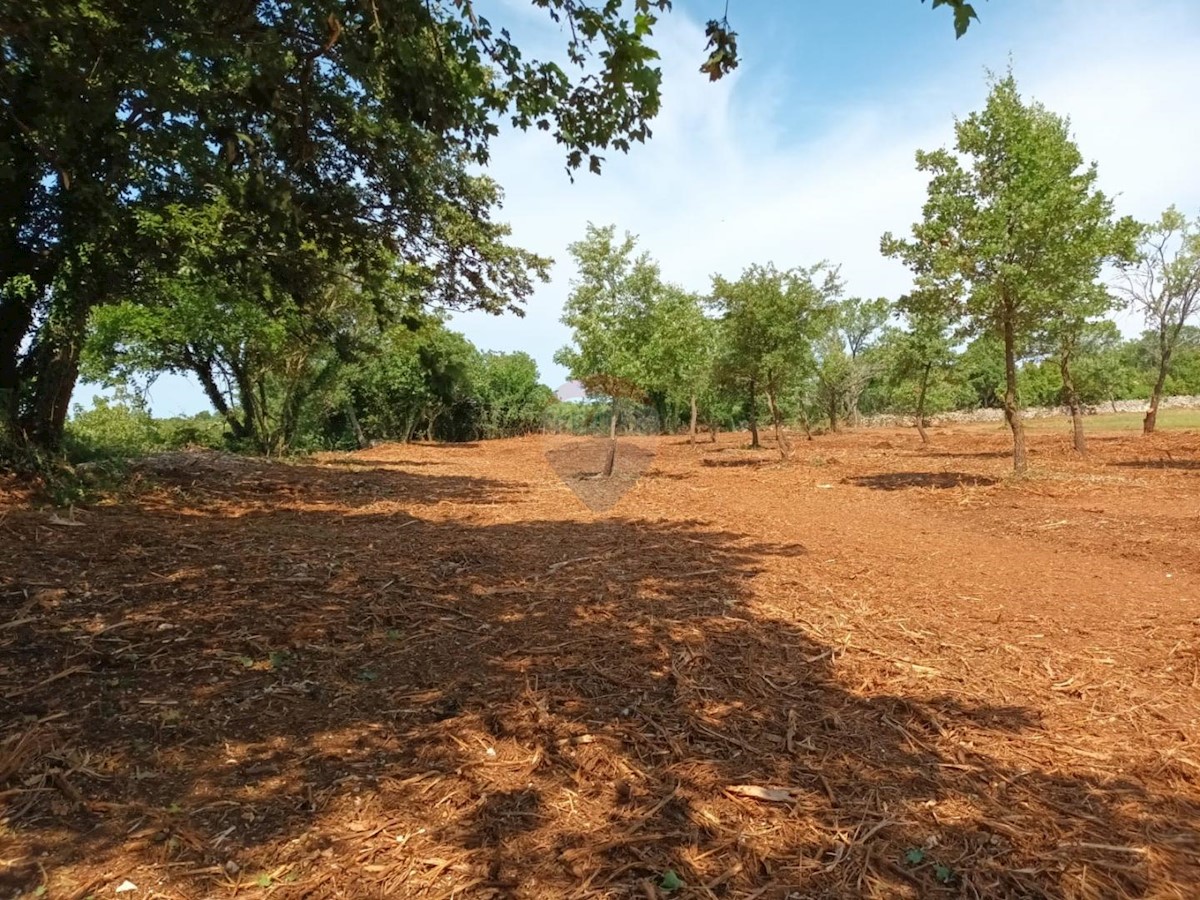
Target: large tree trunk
<point>16,259</point>
<point>1164,366</point>
<point>611,459</point>
<point>781,443</point>
<point>1072,397</point>
<point>692,426</point>
<point>754,445</point>
<point>55,361</point>
<point>16,315</point>
<point>921,391</point>
<point>1012,411</point>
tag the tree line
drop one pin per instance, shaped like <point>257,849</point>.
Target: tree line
<point>1018,264</point>
<point>254,178</point>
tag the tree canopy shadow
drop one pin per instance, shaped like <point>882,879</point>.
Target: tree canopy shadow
<point>356,462</point>
<point>389,705</point>
<point>1187,465</point>
<point>738,463</point>
<point>899,481</point>
<point>226,480</point>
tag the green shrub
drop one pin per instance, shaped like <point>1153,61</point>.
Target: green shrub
<point>122,428</point>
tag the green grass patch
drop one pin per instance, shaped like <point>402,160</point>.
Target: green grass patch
<point>1167,419</point>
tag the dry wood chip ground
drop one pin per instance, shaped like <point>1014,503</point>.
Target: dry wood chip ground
<point>434,672</point>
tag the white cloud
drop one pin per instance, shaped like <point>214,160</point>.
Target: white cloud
<point>718,188</point>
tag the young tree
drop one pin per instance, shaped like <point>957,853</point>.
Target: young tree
<point>1012,226</point>
<point>675,349</point>
<point>845,366</point>
<point>770,320</point>
<point>1065,335</point>
<point>1163,284</point>
<point>606,310</point>
<point>924,348</point>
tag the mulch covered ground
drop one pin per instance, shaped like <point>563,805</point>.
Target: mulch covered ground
<point>880,670</point>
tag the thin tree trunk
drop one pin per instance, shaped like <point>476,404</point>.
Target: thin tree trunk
<point>1072,398</point>
<point>712,431</point>
<point>921,403</point>
<point>611,460</point>
<point>754,445</point>
<point>781,443</point>
<point>1012,411</point>
<point>692,427</point>
<point>360,439</point>
<point>204,374</point>
<point>833,416</point>
<point>804,421</point>
<point>1164,365</point>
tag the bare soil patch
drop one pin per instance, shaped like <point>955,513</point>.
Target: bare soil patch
<point>432,672</point>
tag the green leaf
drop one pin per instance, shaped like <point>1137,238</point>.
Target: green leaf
<point>368,675</point>
<point>943,874</point>
<point>670,881</point>
<point>263,880</point>
<point>914,856</point>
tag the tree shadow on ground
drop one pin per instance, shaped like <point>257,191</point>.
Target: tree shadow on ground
<point>1191,465</point>
<point>899,481</point>
<point>355,462</point>
<point>934,453</point>
<point>386,705</point>
<point>246,484</point>
<point>739,463</point>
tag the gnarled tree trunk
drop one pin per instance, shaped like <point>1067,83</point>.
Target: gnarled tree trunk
<point>54,360</point>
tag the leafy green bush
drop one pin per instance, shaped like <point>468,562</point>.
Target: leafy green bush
<point>121,428</point>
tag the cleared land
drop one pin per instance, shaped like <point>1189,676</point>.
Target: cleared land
<point>434,672</point>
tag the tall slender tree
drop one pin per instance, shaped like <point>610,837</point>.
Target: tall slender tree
<point>924,348</point>
<point>1013,225</point>
<point>610,298</point>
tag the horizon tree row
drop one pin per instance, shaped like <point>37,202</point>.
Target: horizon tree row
<point>1009,256</point>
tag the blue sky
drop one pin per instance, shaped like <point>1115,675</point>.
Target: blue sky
<point>806,152</point>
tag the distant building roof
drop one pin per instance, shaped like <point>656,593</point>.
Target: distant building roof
<point>572,390</point>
